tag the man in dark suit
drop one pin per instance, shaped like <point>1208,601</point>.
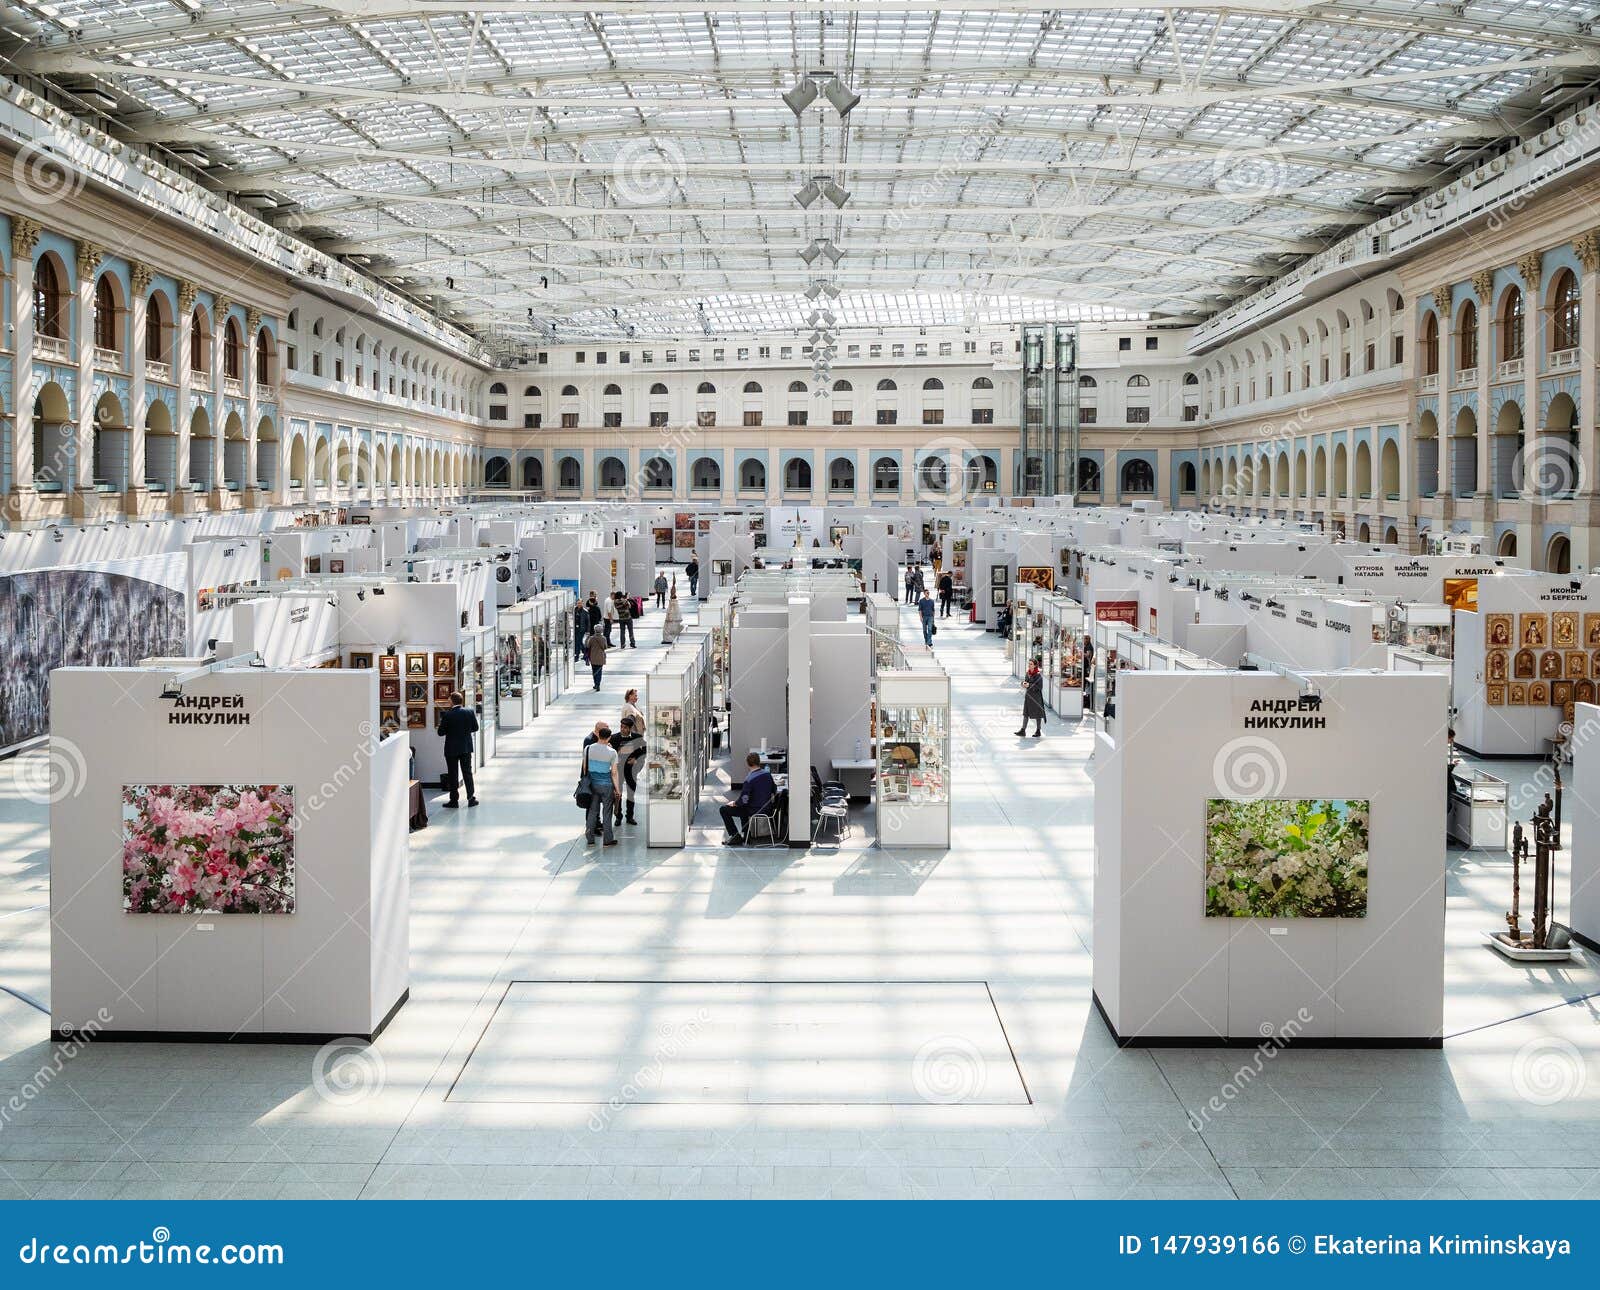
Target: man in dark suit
<point>458,725</point>
<point>753,799</point>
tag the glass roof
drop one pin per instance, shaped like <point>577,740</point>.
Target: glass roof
<point>636,170</point>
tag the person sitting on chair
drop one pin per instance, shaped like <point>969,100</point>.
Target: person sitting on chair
<point>753,799</point>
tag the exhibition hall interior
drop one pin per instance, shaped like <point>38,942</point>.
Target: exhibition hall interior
<point>727,600</point>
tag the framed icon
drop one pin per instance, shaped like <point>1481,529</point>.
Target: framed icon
<point>997,575</point>
<point>1497,630</point>
<point>388,665</point>
<point>361,659</point>
<point>389,718</point>
<point>416,718</point>
<point>1495,695</point>
<point>1538,694</point>
<point>1577,664</point>
<point>1497,666</point>
<point>388,689</point>
<point>1533,630</point>
<point>1524,667</point>
<point>416,692</point>
<point>1561,692</point>
<point>335,566</point>
<point>1591,631</point>
<point>1550,665</point>
<point>1583,691</point>
<point>1517,694</point>
<point>1564,629</point>
<point>442,690</point>
<point>416,665</point>
<point>444,664</point>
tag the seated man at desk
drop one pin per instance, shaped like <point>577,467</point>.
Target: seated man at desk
<point>753,799</point>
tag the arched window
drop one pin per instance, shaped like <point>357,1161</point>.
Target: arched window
<point>658,388</point>
<point>232,352</point>
<point>842,387</point>
<point>1189,378</point>
<point>532,392</point>
<point>612,392</point>
<point>1186,477</point>
<point>752,475</point>
<point>497,388</point>
<point>105,314</point>
<point>1430,345</point>
<point>1088,475</point>
<point>497,473</point>
<point>886,384</point>
<point>750,387</point>
<point>797,387</point>
<point>983,383</point>
<point>705,387</point>
<point>1087,382</point>
<point>797,475</point>
<point>1138,477</point>
<point>155,331</point>
<point>886,475</point>
<point>1511,326</point>
<point>1564,329</point>
<point>197,342</point>
<point>933,383</point>
<point>49,311</point>
<point>1138,382</point>
<point>1469,336</point>
<point>569,391</point>
<point>263,357</point>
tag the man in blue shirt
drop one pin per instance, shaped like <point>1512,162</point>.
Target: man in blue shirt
<point>925,608</point>
<point>753,799</point>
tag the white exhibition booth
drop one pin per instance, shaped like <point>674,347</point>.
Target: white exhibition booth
<point>1270,862</point>
<point>156,930</point>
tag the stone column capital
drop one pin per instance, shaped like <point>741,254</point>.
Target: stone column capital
<point>141,275</point>
<point>1483,285</point>
<point>24,235</point>
<point>1441,302</point>
<point>89,257</point>
<point>188,294</point>
<point>1531,266</point>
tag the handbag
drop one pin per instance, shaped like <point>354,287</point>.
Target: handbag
<point>933,629</point>
<point>583,794</point>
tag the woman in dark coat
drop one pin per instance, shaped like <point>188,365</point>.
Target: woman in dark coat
<point>1033,700</point>
<point>580,629</point>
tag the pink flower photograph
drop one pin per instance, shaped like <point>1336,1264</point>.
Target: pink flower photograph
<point>207,849</point>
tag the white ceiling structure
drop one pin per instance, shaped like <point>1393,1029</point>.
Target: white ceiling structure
<point>525,164</point>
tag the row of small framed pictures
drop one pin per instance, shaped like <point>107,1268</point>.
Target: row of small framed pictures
<point>442,663</point>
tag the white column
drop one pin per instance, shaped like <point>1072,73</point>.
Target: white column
<point>252,414</point>
<point>24,239</point>
<point>188,294</point>
<point>219,444</point>
<point>89,257</point>
<point>1447,361</point>
<point>1587,248</point>
<point>1530,267</point>
<point>1483,285</point>
<point>140,277</point>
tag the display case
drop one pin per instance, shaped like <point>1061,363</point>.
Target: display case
<point>678,698</point>
<point>475,678</point>
<point>883,625</point>
<point>1477,815</point>
<point>1066,655</point>
<point>913,753</point>
<point>515,653</point>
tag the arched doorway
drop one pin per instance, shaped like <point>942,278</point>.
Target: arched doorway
<point>1558,554</point>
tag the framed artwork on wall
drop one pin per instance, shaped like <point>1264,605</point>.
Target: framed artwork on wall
<point>1327,838</point>
<point>1550,665</point>
<point>997,575</point>
<point>208,849</point>
<point>1577,664</point>
<point>1517,694</point>
<point>444,663</point>
<point>1495,695</point>
<point>388,665</point>
<point>416,718</point>
<point>416,665</point>
<point>417,692</point>
<point>998,597</point>
<point>1564,629</point>
<point>313,564</point>
<point>361,659</point>
<point>1037,575</point>
<point>1524,666</point>
<point>1583,691</point>
<point>335,565</point>
<point>1497,630</point>
<point>388,689</point>
<point>1538,694</point>
<point>441,692</point>
<point>1497,666</point>
<point>1591,631</point>
<point>1533,630</point>
<point>388,719</point>
<point>1561,692</point>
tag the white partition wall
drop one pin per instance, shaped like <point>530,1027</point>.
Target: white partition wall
<point>1581,804</point>
<point>1192,943</point>
<point>334,964</point>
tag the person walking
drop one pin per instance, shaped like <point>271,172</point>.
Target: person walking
<point>1033,700</point>
<point>598,644</point>
<point>661,591</point>
<point>947,593</point>
<point>602,770</point>
<point>580,629</point>
<point>625,636</point>
<point>458,724</point>
<point>925,609</point>
<point>608,614</point>
<point>692,572</point>
<point>913,585</point>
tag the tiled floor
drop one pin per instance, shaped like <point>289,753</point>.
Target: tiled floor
<point>508,893</point>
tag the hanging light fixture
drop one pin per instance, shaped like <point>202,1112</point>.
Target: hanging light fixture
<point>839,95</point>
<point>833,193</point>
<point>808,195</point>
<point>833,253</point>
<point>811,252</point>
<point>802,96</point>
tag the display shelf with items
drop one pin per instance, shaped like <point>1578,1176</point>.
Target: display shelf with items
<point>1066,656</point>
<point>678,696</point>
<point>883,626</point>
<point>1477,815</point>
<point>913,751</point>
<point>515,652</point>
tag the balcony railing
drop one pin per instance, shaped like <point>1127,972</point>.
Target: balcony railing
<point>154,371</point>
<point>1564,359</point>
<point>234,386</point>
<point>1429,384</point>
<point>51,347</point>
<point>1509,370</point>
<point>108,358</point>
<point>1464,377</point>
